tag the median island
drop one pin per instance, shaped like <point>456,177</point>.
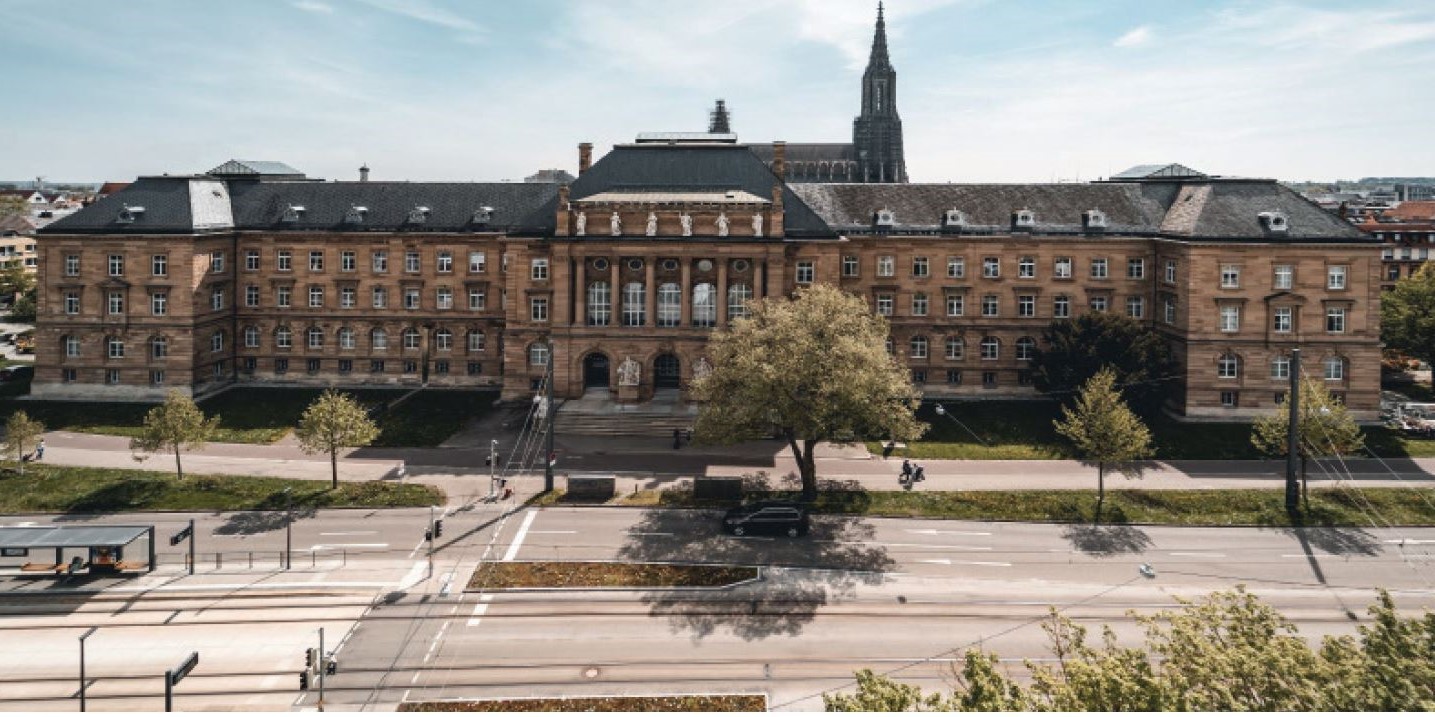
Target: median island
<point>664,703</point>
<point>580,575</point>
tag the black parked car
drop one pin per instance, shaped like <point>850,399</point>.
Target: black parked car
<point>769,516</point>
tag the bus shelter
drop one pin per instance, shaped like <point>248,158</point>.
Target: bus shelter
<point>103,548</point>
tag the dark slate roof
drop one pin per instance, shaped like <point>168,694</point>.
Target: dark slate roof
<point>809,152</point>
<point>695,168</point>
<point>519,208</point>
<point>172,205</point>
<point>988,207</point>
<point>1231,209</point>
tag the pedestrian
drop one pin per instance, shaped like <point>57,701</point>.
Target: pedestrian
<point>40,450</point>
<point>906,468</point>
<point>887,449</point>
<point>920,474</point>
<point>677,438</point>
<point>688,436</point>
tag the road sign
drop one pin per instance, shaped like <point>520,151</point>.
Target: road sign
<point>184,668</point>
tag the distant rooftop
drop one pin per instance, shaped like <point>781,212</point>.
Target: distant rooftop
<point>254,169</point>
<point>1158,171</point>
<point>687,137</point>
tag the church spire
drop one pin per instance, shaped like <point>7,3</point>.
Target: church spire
<point>718,120</point>
<point>877,131</point>
<point>879,59</point>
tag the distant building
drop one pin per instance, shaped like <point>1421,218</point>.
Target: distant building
<point>17,241</point>
<point>549,176</point>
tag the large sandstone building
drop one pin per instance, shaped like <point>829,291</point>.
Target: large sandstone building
<point>252,273</point>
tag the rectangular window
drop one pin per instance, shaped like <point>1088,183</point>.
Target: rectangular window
<point>72,265</point>
<point>282,296</point>
<point>156,377</point>
<point>444,296</point>
<point>955,349</point>
<point>1231,399</point>
<point>1026,306</point>
<point>540,269</point>
<point>251,296</point>
<point>411,366</point>
<point>117,265</point>
<point>316,261</point>
<point>954,376</point>
<point>380,297</point>
<point>1168,310</point>
<point>1280,368</point>
<point>1335,278</point>
<point>475,341</point>
<point>1026,268</point>
<point>316,297</point>
<point>956,304</point>
<point>348,261</point>
<point>1285,277</point>
<point>475,368</point>
<point>445,262</point>
<point>884,304</point>
<point>850,267</point>
<point>806,272</point>
<point>159,264</point>
<point>1170,271</point>
<point>216,299</point>
<point>112,376</point>
<point>1335,320</point>
<point>376,366</point>
<point>920,267</point>
<point>1099,303</point>
<point>919,304</point>
<point>1230,276</point>
<point>538,308</point>
<point>991,267</point>
<point>69,375</point>
<point>440,368</point>
<point>989,305</point>
<point>348,297</point>
<point>989,379</point>
<point>1281,320</point>
<point>284,260</point>
<point>1061,307</point>
<point>251,260</point>
<point>346,365</point>
<point>477,262</point>
<point>1230,318</point>
<point>1098,269</point>
<point>158,304</point>
<point>919,376</point>
<point>886,266</point>
<point>117,302</point>
<point>1062,268</point>
<point>312,365</point>
<point>1136,268</point>
<point>1334,369</point>
<point>72,302</point>
<point>1135,307</point>
<point>411,298</point>
<point>216,262</point>
<point>379,260</point>
<point>411,262</point>
<point>956,267</point>
<point>476,300</point>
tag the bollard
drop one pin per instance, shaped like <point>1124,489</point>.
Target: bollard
<point>251,560</point>
<point>313,556</point>
<point>218,560</point>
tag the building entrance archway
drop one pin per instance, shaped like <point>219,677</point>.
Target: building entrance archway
<point>667,371</point>
<point>595,371</point>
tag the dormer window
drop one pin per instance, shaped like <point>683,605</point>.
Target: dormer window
<point>355,215</point>
<point>954,218</point>
<point>1274,222</point>
<point>1093,219</point>
<point>292,213</point>
<point>483,215</point>
<point>418,215</point>
<point>1023,218</point>
<point>884,218</point>
<point>128,214</point>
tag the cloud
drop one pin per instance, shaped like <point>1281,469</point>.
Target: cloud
<point>426,12</point>
<point>314,6</point>
<point>1137,36</point>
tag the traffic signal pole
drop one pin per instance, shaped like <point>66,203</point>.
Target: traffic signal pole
<point>191,546</point>
<point>1293,436</point>
<point>548,423</point>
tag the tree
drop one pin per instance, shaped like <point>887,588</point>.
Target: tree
<point>20,434</point>
<point>177,425</point>
<point>1073,350</point>
<point>1228,652</point>
<point>1103,429</point>
<point>1325,428</point>
<point>23,312</point>
<point>1407,315</point>
<point>13,204</point>
<point>15,281</point>
<point>810,369</point>
<point>332,422</point>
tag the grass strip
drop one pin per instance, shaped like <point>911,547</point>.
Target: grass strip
<point>65,489</point>
<point>1329,507</point>
<point>664,703</point>
<point>494,576</point>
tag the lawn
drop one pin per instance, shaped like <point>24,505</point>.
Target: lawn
<point>1329,507</point>
<point>502,575</point>
<point>660,703</point>
<point>265,414</point>
<point>62,489</point>
<point>1023,430</point>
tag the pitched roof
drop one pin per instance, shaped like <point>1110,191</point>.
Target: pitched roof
<point>1231,209</point>
<point>111,187</point>
<point>684,168</point>
<point>808,152</point>
<point>1158,171</point>
<point>254,168</point>
<point>516,207</point>
<point>1416,211</point>
<point>154,205</point>
<point>17,223</point>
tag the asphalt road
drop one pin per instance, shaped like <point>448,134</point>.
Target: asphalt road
<point>893,595</point>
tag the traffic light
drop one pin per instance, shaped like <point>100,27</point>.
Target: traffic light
<point>303,680</point>
<point>332,667</point>
<point>309,657</point>
<point>428,534</point>
<point>438,529</point>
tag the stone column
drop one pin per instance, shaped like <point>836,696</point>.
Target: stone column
<point>722,292</point>
<point>614,263</point>
<point>686,317</point>
<point>580,298</point>
<point>650,296</point>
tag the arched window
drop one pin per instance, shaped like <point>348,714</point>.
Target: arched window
<point>1025,348</point>
<point>158,347</point>
<point>918,345</point>
<point>635,303</point>
<point>956,348</point>
<point>411,339</point>
<point>600,303</point>
<point>71,345</point>
<point>737,297</point>
<point>670,305</point>
<point>891,347</point>
<point>346,338</point>
<point>251,337</point>
<point>475,340</point>
<point>538,354</point>
<point>443,340</point>
<point>704,305</point>
<point>379,339</point>
<point>216,342</point>
<point>1334,368</point>
<point>283,337</point>
<point>991,348</point>
<point>114,347</point>
<point>1228,366</point>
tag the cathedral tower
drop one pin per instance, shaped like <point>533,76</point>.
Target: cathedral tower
<point>877,132</point>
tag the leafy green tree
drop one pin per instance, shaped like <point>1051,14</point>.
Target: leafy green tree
<point>335,421</point>
<point>1104,430</point>
<point>1407,315</point>
<point>175,425</point>
<point>11,204</point>
<point>20,434</point>
<point>15,280</point>
<point>810,369</point>
<point>1324,428</point>
<point>24,309</point>
<point>1073,350</point>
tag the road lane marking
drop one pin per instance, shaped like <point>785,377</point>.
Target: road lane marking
<point>933,531</point>
<point>1312,555</point>
<point>1407,541</point>
<point>416,573</point>
<point>518,539</point>
<point>912,545</point>
<point>938,561</point>
<point>639,532</point>
<point>325,546</point>
<point>478,612</point>
<point>949,561</point>
<point>1200,555</point>
<point>551,532</point>
<point>354,532</point>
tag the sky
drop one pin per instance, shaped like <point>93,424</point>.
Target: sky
<point>463,90</point>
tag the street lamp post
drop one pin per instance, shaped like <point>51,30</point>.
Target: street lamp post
<point>942,411</point>
<point>548,421</point>
<point>88,632</point>
<point>288,528</point>
<point>492,468</point>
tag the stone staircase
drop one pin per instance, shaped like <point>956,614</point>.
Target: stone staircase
<point>596,414</point>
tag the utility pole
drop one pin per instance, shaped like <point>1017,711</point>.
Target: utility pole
<point>88,632</point>
<point>1293,436</point>
<point>191,546</point>
<point>492,468</point>
<point>288,528</point>
<point>548,423</point>
<point>322,663</point>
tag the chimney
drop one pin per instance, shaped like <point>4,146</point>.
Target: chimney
<point>364,173</point>
<point>585,156</point>
<point>779,159</point>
